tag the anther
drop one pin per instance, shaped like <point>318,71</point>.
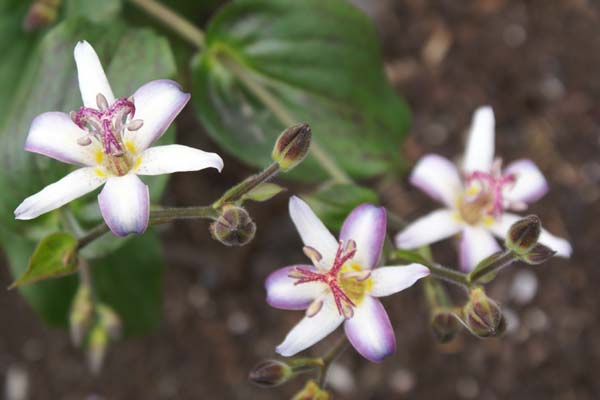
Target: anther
<point>101,102</point>
<point>313,254</point>
<point>360,276</point>
<point>350,246</point>
<point>84,141</point>
<point>314,307</point>
<point>347,311</point>
<point>295,274</point>
<point>135,125</point>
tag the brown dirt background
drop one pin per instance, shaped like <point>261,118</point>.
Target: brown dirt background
<point>538,64</point>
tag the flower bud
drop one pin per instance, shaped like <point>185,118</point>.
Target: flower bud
<point>80,317</point>
<point>482,315</point>
<point>270,373</point>
<point>234,227</point>
<point>96,347</point>
<point>110,320</point>
<point>41,14</point>
<point>311,391</point>
<point>524,234</point>
<point>292,146</point>
<point>538,254</point>
<point>445,325</point>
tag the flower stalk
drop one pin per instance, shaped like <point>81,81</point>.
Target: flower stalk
<point>330,357</point>
<point>437,270</point>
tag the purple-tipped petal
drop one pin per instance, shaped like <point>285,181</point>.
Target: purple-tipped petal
<point>125,205</point>
<point>390,280</point>
<point>370,330</point>
<point>530,185</point>
<point>284,294</point>
<point>157,103</point>
<point>310,330</point>
<point>479,154</point>
<point>439,178</point>
<point>176,158</point>
<point>562,247</point>
<point>72,186</point>
<point>312,231</point>
<point>366,225</point>
<point>53,134</point>
<point>92,79</point>
<point>435,226</point>
<point>476,244</point>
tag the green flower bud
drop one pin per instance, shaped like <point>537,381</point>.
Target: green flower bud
<point>311,391</point>
<point>292,146</point>
<point>482,315</point>
<point>234,227</point>
<point>270,373</point>
<point>445,325</point>
<point>524,234</point>
<point>538,254</point>
<point>82,312</point>
<point>41,14</point>
<point>110,320</point>
<point>97,345</point>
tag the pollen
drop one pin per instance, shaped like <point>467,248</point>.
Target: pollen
<point>130,146</point>
<point>100,173</point>
<point>99,156</point>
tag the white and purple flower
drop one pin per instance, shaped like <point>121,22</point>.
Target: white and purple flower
<point>110,139</point>
<point>476,202</point>
<point>343,284</point>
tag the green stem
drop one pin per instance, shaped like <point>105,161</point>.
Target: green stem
<point>504,259</point>
<point>236,192</point>
<point>439,271</point>
<point>165,215</point>
<point>177,23</point>
<point>330,357</point>
<point>283,115</point>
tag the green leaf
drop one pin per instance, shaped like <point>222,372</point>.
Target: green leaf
<point>54,256</point>
<point>333,203</point>
<point>272,63</point>
<point>130,281</point>
<point>263,192</point>
<point>94,10</point>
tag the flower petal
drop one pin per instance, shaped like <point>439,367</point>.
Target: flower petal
<point>176,158</point>
<point>157,103</point>
<point>92,79</point>
<point>370,330</point>
<point>476,244</point>
<point>72,186</point>
<point>310,330</point>
<point>283,293</point>
<point>479,154</point>
<point>125,205</point>
<point>366,225</point>
<point>561,246</point>
<point>530,184</point>
<point>312,231</point>
<point>438,225</point>
<point>390,280</point>
<point>53,134</point>
<point>438,177</point>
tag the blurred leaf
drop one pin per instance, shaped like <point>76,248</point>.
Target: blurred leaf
<point>410,256</point>
<point>50,299</point>
<point>130,281</point>
<point>94,10</point>
<point>312,61</point>
<point>333,203</point>
<point>53,257</point>
<point>263,192</point>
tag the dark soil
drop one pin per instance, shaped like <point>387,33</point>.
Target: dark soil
<point>538,64</point>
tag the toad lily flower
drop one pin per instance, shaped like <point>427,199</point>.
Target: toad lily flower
<point>110,139</point>
<point>342,285</point>
<point>477,204</point>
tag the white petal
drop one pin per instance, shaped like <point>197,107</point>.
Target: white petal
<point>561,246</point>
<point>366,225</point>
<point>312,231</point>
<point>176,158</point>
<point>282,292</point>
<point>125,205</point>
<point>390,280</point>
<point>92,79</point>
<point>479,154</point>
<point>370,330</point>
<point>438,225</point>
<point>53,134</point>
<point>476,244</point>
<point>439,178</point>
<point>157,103</point>
<point>72,186</point>
<point>310,330</point>
<point>530,184</point>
